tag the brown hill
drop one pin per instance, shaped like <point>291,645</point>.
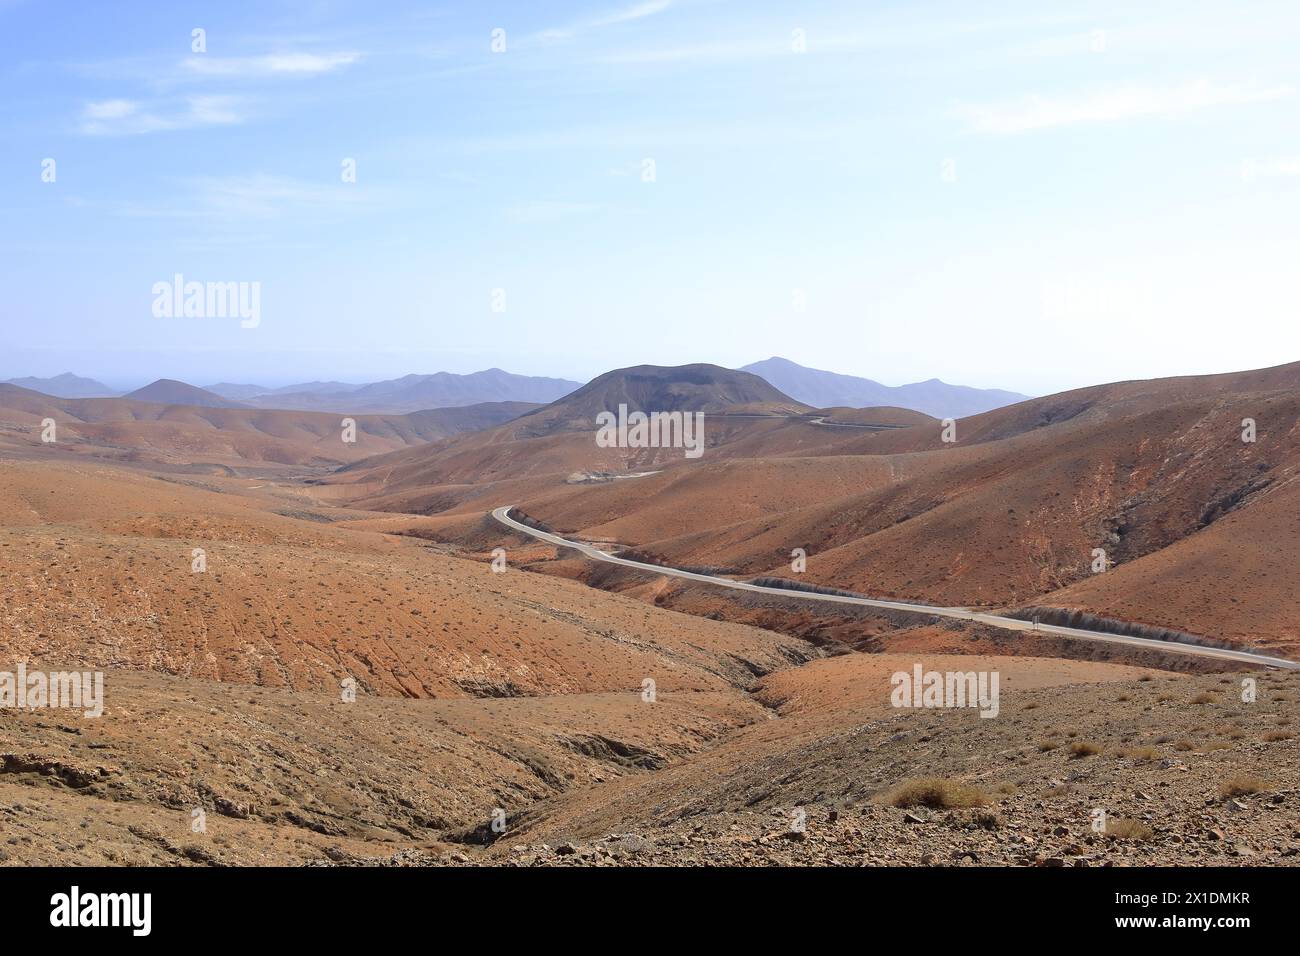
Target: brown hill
<point>553,445</point>
<point>96,569</point>
<point>167,391</point>
<point>1008,515</point>
<point>129,430</point>
<point>653,388</point>
<point>887,415</point>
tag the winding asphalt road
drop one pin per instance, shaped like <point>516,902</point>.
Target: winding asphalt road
<point>866,425</point>
<point>961,613</point>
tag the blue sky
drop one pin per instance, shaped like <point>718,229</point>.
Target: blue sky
<point>1015,194</point>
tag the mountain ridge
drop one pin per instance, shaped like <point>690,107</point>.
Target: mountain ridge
<point>66,385</point>
<point>407,393</point>
<point>823,389</point>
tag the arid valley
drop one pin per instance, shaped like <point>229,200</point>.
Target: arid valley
<point>329,652</point>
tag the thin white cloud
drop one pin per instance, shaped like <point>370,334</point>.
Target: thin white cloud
<point>638,12</point>
<point>213,110</point>
<point>1044,112</point>
<point>272,64</point>
<point>110,110</point>
<point>610,18</point>
<point>125,117</point>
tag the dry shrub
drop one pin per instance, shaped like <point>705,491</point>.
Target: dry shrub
<point>1128,829</point>
<point>935,793</point>
<point>1240,787</point>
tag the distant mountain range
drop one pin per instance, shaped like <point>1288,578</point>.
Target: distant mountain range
<point>830,389</point>
<point>812,387</point>
<point>169,421</point>
<point>66,385</point>
<point>410,393</point>
<point>406,394</point>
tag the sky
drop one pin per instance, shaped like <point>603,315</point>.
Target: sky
<point>1007,194</point>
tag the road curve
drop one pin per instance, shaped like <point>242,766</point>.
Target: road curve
<point>868,425</point>
<point>502,515</point>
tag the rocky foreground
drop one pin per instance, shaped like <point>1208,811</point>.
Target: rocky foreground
<point>1156,771</point>
<point>1084,765</point>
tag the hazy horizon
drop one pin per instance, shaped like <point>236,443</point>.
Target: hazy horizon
<point>279,380</point>
<point>274,380</point>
